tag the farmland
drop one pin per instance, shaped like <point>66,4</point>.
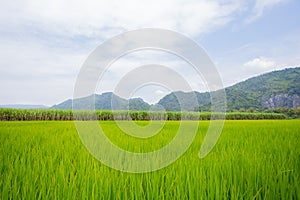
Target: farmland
<point>252,159</point>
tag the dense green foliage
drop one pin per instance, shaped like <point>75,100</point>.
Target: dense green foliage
<point>7,114</point>
<point>251,93</point>
<point>289,112</point>
<point>282,81</point>
<point>252,160</point>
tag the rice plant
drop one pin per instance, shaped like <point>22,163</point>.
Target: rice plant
<point>252,160</point>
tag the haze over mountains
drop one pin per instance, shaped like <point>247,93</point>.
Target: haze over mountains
<point>24,106</point>
<point>270,90</point>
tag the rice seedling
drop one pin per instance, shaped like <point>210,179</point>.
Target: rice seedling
<point>252,160</point>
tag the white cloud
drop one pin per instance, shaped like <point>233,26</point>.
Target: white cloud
<point>34,73</point>
<point>159,92</point>
<point>260,6</point>
<point>102,18</point>
<point>259,65</point>
<point>127,63</point>
<point>44,43</point>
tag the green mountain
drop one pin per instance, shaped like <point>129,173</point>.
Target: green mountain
<point>187,99</point>
<point>138,104</point>
<point>270,90</point>
<point>105,101</point>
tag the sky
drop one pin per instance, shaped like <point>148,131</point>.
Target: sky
<point>45,43</point>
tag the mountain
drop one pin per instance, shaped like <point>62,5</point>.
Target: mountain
<point>138,104</point>
<point>104,101</point>
<point>270,90</point>
<point>188,103</point>
<point>23,106</point>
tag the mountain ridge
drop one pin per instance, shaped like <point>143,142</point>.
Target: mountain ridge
<point>275,89</point>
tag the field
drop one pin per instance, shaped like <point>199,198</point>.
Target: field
<point>252,160</point>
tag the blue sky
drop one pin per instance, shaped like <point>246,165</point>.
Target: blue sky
<point>44,43</point>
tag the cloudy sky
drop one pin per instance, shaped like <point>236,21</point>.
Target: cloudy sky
<point>44,43</point>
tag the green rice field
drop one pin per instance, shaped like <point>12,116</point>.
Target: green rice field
<point>252,160</point>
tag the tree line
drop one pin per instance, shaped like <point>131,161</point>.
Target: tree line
<point>8,114</point>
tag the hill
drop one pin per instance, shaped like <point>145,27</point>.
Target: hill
<point>270,90</point>
<point>105,101</point>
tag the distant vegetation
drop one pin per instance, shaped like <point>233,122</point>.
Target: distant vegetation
<point>7,114</point>
<point>105,101</point>
<point>271,90</point>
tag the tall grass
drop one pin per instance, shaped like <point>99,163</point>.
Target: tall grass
<point>7,114</point>
<point>252,160</point>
